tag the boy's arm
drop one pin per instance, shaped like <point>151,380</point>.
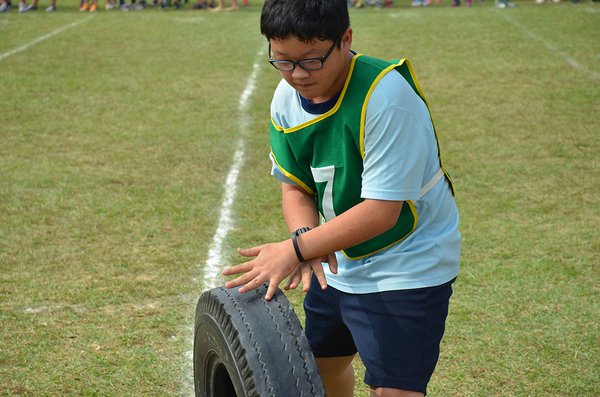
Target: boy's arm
<point>299,207</point>
<point>275,261</point>
<point>300,210</point>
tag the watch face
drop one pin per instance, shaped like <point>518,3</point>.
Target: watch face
<point>302,230</point>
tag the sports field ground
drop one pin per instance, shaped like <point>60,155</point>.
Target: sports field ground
<point>134,160</point>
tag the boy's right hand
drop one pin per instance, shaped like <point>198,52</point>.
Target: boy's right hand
<point>303,272</point>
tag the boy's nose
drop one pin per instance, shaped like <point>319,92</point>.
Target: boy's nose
<point>299,73</point>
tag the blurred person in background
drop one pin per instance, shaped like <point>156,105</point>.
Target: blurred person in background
<point>34,4</point>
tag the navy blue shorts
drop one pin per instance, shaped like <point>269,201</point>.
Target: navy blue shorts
<point>396,333</point>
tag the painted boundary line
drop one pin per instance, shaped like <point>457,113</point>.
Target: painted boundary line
<point>42,38</point>
<point>212,267</point>
<point>549,46</point>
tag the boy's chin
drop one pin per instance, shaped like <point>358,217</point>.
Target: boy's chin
<point>310,94</point>
<point>306,91</point>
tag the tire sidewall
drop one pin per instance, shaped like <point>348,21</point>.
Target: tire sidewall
<point>212,352</point>
<point>245,346</point>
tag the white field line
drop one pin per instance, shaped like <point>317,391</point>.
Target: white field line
<point>213,266</point>
<point>549,46</point>
<point>44,37</point>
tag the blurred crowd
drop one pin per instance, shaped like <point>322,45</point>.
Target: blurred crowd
<point>134,5</point>
<point>218,5</point>
<point>453,3</point>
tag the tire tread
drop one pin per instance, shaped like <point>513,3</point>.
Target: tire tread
<point>261,360</point>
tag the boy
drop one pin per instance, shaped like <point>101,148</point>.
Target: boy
<point>352,139</point>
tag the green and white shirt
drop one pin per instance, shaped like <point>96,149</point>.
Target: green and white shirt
<point>376,141</point>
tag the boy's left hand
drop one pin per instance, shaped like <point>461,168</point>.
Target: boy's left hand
<point>273,263</point>
<point>304,271</point>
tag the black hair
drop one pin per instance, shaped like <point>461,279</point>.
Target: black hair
<point>306,20</point>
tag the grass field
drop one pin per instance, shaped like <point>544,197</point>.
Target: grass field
<point>117,133</point>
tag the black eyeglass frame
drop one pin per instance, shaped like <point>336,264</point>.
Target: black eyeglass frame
<point>300,63</point>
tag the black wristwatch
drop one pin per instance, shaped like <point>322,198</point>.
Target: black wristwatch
<point>296,248</point>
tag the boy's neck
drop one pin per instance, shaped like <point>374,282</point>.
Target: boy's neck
<point>321,107</point>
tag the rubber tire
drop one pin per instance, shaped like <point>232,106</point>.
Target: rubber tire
<point>245,346</point>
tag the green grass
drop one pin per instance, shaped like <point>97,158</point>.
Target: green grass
<point>117,134</point>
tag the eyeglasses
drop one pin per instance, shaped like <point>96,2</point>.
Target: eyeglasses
<point>306,64</point>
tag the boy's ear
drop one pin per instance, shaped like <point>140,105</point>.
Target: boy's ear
<point>347,40</point>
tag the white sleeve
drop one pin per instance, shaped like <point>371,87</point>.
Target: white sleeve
<point>286,110</point>
<point>278,173</point>
<point>398,132</point>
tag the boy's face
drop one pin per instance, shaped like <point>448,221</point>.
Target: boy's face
<point>315,85</point>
